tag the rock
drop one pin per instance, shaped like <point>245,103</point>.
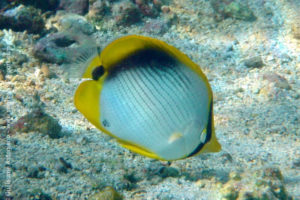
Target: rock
<point>22,18</point>
<point>239,11</point>
<point>233,9</point>
<point>131,178</point>
<point>201,174</point>
<point>2,75</point>
<point>296,27</point>
<point>98,10</point>
<point>226,157</point>
<point>45,71</point>
<point>76,24</point>
<point>296,31</point>
<point>108,193</point>
<point>54,48</point>
<point>44,5</point>
<point>82,140</point>
<point>65,163</point>
<point>156,26</point>
<point>32,102</point>
<point>129,181</point>
<point>254,62</point>
<point>62,166</point>
<point>126,13</point>
<point>79,7</point>
<point>272,173</point>
<point>3,122</point>
<point>3,4</point>
<point>34,172</point>
<point>2,111</point>
<point>3,69</point>
<point>165,9</point>
<point>278,80</point>
<point>228,192</point>
<point>38,194</point>
<point>149,8</point>
<point>234,176</point>
<point>20,59</point>
<point>165,172</point>
<point>2,195</point>
<point>263,184</point>
<point>38,121</point>
<point>296,163</point>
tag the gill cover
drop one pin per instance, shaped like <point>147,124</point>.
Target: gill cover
<point>151,97</point>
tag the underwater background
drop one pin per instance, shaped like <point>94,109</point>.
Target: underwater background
<point>249,50</point>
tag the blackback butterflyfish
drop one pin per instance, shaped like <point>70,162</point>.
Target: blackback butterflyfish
<point>149,96</point>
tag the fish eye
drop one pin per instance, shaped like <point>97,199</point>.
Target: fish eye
<point>97,72</point>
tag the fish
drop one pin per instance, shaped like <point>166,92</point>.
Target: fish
<point>149,96</point>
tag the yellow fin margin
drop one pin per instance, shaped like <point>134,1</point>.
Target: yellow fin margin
<point>212,145</point>
<point>86,100</point>
<point>139,150</point>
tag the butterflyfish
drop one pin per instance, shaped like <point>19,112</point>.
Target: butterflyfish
<point>150,97</point>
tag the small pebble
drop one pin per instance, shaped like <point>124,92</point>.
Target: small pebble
<point>165,9</point>
<point>235,176</point>
<point>38,194</point>
<point>20,59</point>
<point>82,140</point>
<point>61,168</point>
<point>80,7</point>
<point>45,70</point>
<point>2,77</point>
<point>296,163</point>
<point>227,157</point>
<point>155,26</point>
<point>108,193</point>
<point>254,62</point>
<point>34,173</point>
<point>200,183</point>
<point>273,173</point>
<point>22,18</point>
<point>2,110</point>
<point>165,172</point>
<point>126,13</point>
<point>296,28</point>
<point>15,78</point>
<point>157,2</point>
<point>65,163</point>
<point>3,122</point>
<point>38,121</point>
<point>228,192</point>
<point>278,80</point>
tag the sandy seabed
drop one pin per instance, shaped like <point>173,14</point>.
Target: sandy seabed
<point>257,116</point>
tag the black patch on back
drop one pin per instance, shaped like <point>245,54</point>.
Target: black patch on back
<point>208,134</point>
<point>145,58</point>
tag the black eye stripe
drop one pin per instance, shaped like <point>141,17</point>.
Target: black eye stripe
<point>97,72</point>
